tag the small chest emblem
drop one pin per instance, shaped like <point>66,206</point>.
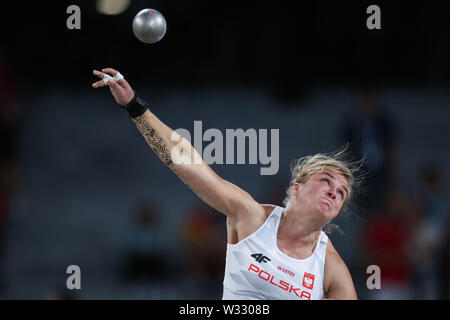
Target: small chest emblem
<point>308,280</point>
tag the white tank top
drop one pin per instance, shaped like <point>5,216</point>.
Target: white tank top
<point>257,270</point>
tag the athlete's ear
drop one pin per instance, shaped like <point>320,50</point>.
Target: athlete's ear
<point>294,189</point>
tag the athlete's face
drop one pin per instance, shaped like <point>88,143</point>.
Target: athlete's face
<point>324,191</point>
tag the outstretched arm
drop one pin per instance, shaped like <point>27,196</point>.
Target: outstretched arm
<point>181,157</point>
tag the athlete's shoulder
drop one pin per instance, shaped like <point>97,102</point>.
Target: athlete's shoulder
<point>336,272</point>
<point>333,262</point>
<point>333,256</point>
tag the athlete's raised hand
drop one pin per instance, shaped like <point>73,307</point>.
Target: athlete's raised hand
<point>120,88</point>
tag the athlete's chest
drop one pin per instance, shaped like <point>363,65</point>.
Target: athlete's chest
<point>275,275</point>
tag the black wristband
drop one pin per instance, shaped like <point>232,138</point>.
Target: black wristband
<point>137,106</point>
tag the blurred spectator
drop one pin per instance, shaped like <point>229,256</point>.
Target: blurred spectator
<point>370,131</point>
<point>145,254</point>
<point>432,197</point>
<point>386,238</point>
<point>423,253</point>
<point>204,233</point>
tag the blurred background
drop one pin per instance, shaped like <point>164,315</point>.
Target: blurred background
<point>79,185</point>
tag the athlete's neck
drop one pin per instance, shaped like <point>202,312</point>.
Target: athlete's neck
<point>301,228</point>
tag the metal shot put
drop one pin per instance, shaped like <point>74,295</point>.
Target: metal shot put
<point>149,26</point>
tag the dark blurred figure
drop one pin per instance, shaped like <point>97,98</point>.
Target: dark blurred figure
<point>386,238</point>
<point>9,164</point>
<point>423,255</point>
<point>432,274</point>
<point>145,255</point>
<point>433,197</point>
<point>204,233</point>
<point>371,134</point>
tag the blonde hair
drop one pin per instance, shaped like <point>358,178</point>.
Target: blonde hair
<point>304,167</point>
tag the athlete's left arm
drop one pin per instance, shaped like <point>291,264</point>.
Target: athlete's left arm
<point>338,283</point>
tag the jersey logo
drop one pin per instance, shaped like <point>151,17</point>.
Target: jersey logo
<point>308,280</point>
<point>286,286</point>
<point>288,272</point>
<point>259,257</point>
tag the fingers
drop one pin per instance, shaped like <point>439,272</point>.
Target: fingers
<point>99,84</point>
<point>110,71</point>
<point>110,82</point>
<point>98,74</point>
<point>122,82</point>
<point>102,76</point>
